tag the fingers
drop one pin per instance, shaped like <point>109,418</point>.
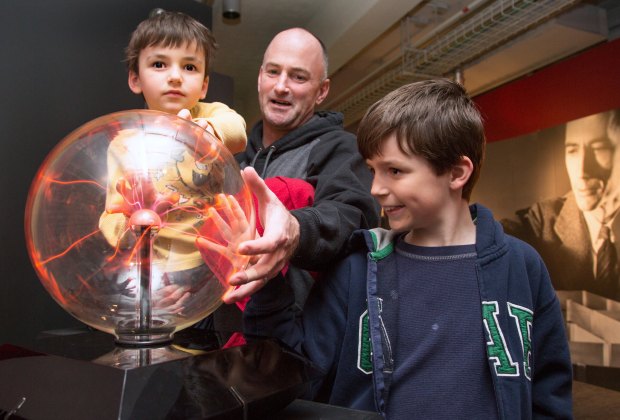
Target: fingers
<point>172,297</point>
<point>244,291</point>
<point>239,219</point>
<point>265,268</point>
<point>185,114</point>
<point>234,226</point>
<point>220,223</point>
<point>240,278</point>
<point>205,245</point>
<point>202,123</point>
<point>224,207</point>
<point>281,229</point>
<point>178,307</point>
<point>256,184</point>
<point>249,174</point>
<point>217,257</point>
<point>260,245</point>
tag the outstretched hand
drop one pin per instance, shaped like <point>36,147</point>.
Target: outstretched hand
<point>226,225</point>
<point>273,250</point>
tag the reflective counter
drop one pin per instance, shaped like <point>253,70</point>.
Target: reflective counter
<point>83,374</point>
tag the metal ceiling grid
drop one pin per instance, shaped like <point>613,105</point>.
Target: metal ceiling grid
<point>491,27</point>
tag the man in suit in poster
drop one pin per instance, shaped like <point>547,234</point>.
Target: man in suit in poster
<point>577,234</point>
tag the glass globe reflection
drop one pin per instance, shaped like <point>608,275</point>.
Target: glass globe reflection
<point>132,224</point>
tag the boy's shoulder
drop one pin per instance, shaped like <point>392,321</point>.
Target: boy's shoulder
<point>492,242</point>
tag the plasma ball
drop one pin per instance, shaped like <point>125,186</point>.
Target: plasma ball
<point>129,224</point>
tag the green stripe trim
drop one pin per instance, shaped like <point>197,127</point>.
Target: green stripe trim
<point>382,240</point>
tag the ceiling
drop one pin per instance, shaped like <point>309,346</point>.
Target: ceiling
<point>376,45</point>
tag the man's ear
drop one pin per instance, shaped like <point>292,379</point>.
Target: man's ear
<point>205,88</point>
<point>323,91</point>
<point>461,172</point>
<point>133,80</point>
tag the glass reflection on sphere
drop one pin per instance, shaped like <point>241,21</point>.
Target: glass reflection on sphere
<point>133,221</point>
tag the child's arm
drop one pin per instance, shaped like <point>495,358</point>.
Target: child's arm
<point>227,125</point>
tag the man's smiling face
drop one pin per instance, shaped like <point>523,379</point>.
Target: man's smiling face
<point>290,81</point>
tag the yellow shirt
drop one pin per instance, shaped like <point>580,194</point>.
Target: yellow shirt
<point>168,166</point>
<point>171,169</point>
<point>229,126</point>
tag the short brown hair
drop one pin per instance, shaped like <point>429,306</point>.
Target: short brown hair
<point>434,119</point>
<point>169,29</point>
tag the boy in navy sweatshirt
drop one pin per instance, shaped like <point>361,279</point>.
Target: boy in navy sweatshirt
<point>444,316</point>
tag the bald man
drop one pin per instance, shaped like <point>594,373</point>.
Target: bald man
<point>294,140</point>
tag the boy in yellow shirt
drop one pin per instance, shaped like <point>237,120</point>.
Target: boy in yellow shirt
<point>168,58</point>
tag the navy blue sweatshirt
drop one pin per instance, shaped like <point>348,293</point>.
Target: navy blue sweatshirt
<point>342,330</point>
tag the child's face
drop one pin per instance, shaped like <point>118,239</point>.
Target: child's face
<point>406,186</point>
<point>170,78</point>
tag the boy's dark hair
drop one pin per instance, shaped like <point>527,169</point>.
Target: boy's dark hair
<point>169,29</point>
<point>434,119</point>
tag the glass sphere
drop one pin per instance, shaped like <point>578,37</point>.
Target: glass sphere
<point>133,221</point>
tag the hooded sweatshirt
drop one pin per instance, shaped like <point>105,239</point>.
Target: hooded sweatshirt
<point>342,328</point>
<point>322,153</point>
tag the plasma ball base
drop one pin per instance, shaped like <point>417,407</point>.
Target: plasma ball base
<point>254,380</point>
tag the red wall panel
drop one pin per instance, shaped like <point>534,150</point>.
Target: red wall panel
<point>580,85</point>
